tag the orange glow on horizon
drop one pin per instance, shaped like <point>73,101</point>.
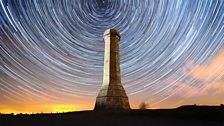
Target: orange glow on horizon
<point>62,108</point>
<point>33,109</point>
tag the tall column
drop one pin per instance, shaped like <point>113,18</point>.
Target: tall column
<point>112,95</point>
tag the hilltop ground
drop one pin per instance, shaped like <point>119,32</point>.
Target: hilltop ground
<point>182,116</point>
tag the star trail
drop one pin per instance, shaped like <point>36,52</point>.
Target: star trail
<point>52,51</point>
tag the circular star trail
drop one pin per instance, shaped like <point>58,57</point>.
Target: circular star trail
<point>56,47</point>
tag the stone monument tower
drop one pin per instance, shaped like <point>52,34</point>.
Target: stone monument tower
<point>112,95</point>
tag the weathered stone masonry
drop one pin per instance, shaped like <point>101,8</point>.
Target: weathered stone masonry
<point>112,95</point>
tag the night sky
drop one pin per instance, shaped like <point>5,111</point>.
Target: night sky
<point>52,52</point>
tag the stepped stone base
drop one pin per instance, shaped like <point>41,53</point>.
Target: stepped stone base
<point>112,98</point>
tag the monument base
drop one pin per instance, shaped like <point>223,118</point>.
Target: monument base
<point>112,98</point>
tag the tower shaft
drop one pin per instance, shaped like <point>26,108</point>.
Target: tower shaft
<point>112,95</point>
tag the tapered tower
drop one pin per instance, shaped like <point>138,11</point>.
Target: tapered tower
<point>112,95</point>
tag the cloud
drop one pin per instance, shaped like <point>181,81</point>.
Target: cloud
<point>211,71</point>
<point>211,75</point>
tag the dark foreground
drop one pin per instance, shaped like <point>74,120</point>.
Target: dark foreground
<point>183,116</point>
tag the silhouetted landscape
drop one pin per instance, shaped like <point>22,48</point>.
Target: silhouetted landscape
<point>190,115</point>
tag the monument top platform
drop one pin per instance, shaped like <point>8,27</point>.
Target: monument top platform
<point>112,32</point>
